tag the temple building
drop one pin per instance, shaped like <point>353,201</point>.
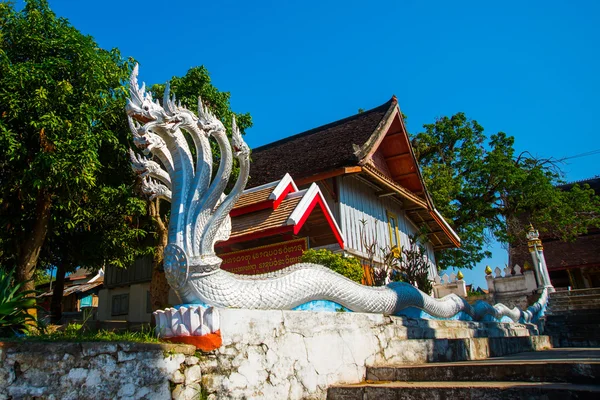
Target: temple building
<point>570,264</point>
<point>369,176</point>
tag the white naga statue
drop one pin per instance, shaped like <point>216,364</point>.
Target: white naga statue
<point>200,218</point>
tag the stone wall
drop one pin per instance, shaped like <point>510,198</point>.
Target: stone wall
<point>512,287</point>
<point>265,355</point>
<point>98,371</point>
<point>449,284</point>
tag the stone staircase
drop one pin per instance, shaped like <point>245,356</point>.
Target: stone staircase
<point>573,318</point>
<point>552,374</point>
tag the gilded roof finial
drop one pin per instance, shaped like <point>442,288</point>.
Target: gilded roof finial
<point>460,275</point>
<point>488,270</point>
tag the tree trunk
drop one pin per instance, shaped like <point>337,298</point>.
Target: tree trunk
<point>57,294</point>
<point>159,287</point>
<point>29,251</point>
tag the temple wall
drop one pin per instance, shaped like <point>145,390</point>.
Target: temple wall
<point>359,202</point>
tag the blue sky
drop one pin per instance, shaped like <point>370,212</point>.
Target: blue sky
<point>529,68</point>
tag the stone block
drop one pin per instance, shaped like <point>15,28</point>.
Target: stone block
<point>193,375</point>
<point>191,360</point>
<point>177,377</point>
<point>94,348</point>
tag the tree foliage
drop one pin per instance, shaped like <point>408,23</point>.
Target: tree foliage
<point>64,139</point>
<point>488,191</point>
<point>349,267</point>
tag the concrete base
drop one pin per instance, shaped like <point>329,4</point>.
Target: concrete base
<point>466,390</point>
<point>553,374</point>
<point>297,354</point>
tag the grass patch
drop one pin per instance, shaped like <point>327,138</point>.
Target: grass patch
<point>79,333</point>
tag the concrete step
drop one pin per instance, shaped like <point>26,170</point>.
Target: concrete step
<point>463,390</point>
<point>591,299</point>
<point>592,303</point>
<point>585,295</point>
<point>567,341</point>
<point>572,307</point>
<point>419,351</point>
<point>582,372</point>
<point>557,325</point>
<point>576,316</point>
<point>574,293</point>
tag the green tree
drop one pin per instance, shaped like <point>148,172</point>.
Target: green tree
<point>63,134</point>
<point>486,190</point>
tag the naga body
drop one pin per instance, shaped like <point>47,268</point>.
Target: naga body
<point>200,218</point>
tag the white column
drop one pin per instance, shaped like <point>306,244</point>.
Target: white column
<point>537,255</point>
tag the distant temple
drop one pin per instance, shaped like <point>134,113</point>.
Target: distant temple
<point>570,264</point>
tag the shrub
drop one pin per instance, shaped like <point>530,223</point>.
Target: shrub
<point>349,267</point>
<point>413,264</point>
<point>13,305</point>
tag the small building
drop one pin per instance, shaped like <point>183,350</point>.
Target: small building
<point>80,295</point>
<point>573,264</point>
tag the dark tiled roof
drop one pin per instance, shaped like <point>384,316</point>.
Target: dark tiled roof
<point>593,182</point>
<point>318,150</point>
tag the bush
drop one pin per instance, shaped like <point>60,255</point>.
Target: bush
<point>413,265</point>
<point>349,267</point>
<point>13,305</point>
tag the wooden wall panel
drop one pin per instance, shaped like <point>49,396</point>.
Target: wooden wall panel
<point>359,202</point>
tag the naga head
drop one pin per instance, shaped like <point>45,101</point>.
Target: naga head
<point>139,104</point>
<point>178,115</point>
<point>207,121</point>
<point>154,190</point>
<point>143,138</point>
<point>141,165</point>
<point>240,148</point>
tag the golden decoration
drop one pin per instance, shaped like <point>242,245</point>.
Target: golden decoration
<point>396,253</point>
<point>460,275</point>
<point>527,266</point>
<point>488,270</point>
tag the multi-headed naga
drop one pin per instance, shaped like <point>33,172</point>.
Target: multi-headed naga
<point>200,218</point>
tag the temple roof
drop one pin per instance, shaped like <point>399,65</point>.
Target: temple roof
<point>318,150</point>
<point>375,146</point>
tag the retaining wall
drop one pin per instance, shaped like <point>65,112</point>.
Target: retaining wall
<point>265,355</point>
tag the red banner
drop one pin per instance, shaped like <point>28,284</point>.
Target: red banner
<point>263,259</point>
